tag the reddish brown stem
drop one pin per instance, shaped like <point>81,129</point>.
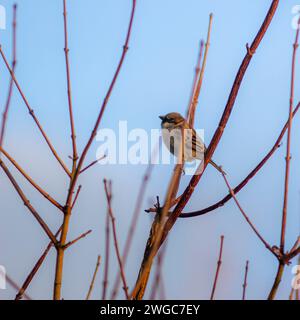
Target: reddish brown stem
<point>245,280</point>
<point>31,112</point>
<point>11,84</point>
<point>201,76</point>
<point>27,203</point>
<point>241,185</point>
<point>247,218</point>
<point>195,81</point>
<point>108,192</point>
<point>31,181</point>
<point>93,279</point>
<point>288,146</point>
<point>13,284</point>
<point>76,196</point>
<point>66,50</point>
<point>91,164</point>
<point>218,269</point>
<point>287,170</point>
<point>107,255</point>
<point>77,239</point>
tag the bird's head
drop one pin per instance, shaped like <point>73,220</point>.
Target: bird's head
<point>171,120</point>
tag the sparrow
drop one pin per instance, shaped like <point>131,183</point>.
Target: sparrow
<point>176,130</point>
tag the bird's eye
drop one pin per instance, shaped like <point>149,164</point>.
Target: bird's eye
<point>170,120</point>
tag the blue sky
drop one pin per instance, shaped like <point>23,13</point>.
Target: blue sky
<point>156,79</point>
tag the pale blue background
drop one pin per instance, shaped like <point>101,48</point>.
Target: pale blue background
<point>156,78</point>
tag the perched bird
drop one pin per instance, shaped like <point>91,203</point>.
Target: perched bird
<point>176,130</point>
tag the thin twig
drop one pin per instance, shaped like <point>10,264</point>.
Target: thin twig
<point>11,84</point>
<point>13,284</point>
<point>27,203</point>
<point>66,50</point>
<point>218,269</point>
<point>245,280</point>
<point>31,112</point>
<point>287,169</point>
<point>35,269</point>
<point>93,279</point>
<point>196,77</point>
<point>247,218</point>
<point>288,147</point>
<point>30,180</point>
<point>108,192</point>
<point>76,196</point>
<point>201,76</point>
<point>66,246</point>
<point>107,256</point>
<point>92,164</point>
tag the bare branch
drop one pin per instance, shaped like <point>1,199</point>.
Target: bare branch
<point>11,84</point>
<point>66,50</point>
<point>287,169</point>
<point>218,269</point>
<point>76,196</point>
<point>107,255</point>
<point>92,164</point>
<point>31,112</point>
<point>248,220</point>
<point>28,204</point>
<point>93,279</point>
<point>242,184</point>
<point>31,181</point>
<point>108,192</point>
<point>66,246</point>
<point>245,280</point>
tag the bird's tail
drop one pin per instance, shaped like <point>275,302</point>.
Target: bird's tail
<point>219,168</point>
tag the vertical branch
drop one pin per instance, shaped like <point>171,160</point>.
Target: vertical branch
<point>77,169</point>
<point>107,254</point>
<point>11,84</point>
<point>108,192</point>
<point>287,168</point>
<point>196,77</point>
<point>66,50</point>
<point>218,269</point>
<point>288,147</point>
<point>158,275</point>
<point>93,279</point>
<point>134,219</point>
<point>245,280</point>
<point>200,80</point>
<point>156,231</point>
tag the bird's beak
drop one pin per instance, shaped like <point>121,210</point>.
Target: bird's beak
<point>162,118</point>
